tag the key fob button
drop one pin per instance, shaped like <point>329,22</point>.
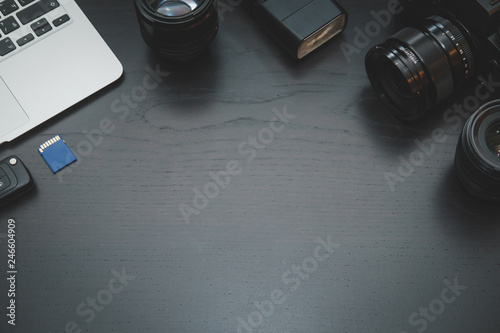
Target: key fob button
<point>4,181</point>
<point>15,179</point>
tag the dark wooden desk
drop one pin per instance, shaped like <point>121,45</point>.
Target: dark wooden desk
<point>300,230</point>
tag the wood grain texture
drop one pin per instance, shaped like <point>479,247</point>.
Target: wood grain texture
<point>322,175</point>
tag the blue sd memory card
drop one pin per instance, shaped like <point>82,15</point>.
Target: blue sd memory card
<point>56,153</point>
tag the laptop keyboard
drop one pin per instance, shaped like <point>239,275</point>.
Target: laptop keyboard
<point>23,22</point>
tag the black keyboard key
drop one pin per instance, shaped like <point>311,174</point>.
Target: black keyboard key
<point>25,39</point>
<point>36,10</point>
<point>38,24</point>
<point>8,25</point>
<point>25,2</point>
<point>60,20</point>
<point>6,46</point>
<point>8,6</point>
<point>41,27</point>
<point>43,30</point>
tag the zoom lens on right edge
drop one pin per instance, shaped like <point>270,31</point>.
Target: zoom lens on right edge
<point>419,67</point>
<point>477,159</point>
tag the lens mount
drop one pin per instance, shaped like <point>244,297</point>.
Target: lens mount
<point>180,30</point>
<point>477,159</point>
<point>419,67</point>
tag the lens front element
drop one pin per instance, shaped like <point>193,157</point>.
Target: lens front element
<point>174,8</point>
<point>493,138</point>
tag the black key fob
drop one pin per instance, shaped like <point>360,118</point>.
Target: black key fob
<point>15,179</point>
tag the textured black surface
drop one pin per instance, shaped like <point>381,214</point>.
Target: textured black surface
<point>319,174</point>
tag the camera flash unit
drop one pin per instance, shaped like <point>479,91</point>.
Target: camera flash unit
<point>299,26</point>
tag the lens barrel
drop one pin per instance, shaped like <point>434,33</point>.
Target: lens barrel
<point>179,30</point>
<point>419,67</point>
<point>477,158</point>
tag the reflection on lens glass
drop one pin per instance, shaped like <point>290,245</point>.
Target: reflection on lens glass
<point>392,83</point>
<point>173,8</point>
<point>493,138</point>
<point>397,81</point>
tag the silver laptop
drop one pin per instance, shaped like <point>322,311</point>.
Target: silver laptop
<point>51,57</point>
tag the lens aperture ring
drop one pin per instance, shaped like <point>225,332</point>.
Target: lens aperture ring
<point>464,55</point>
<point>188,50</point>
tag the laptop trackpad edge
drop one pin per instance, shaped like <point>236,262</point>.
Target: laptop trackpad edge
<point>12,115</point>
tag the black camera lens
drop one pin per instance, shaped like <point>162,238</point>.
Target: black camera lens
<point>477,159</point>
<point>419,67</point>
<point>180,30</point>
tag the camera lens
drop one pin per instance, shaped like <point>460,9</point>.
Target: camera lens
<point>419,67</point>
<point>179,30</point>
<point>477,160</point>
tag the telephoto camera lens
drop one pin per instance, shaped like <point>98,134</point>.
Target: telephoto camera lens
<point>419,67</point>
<point>179,30</point>
<point>477,159</point>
